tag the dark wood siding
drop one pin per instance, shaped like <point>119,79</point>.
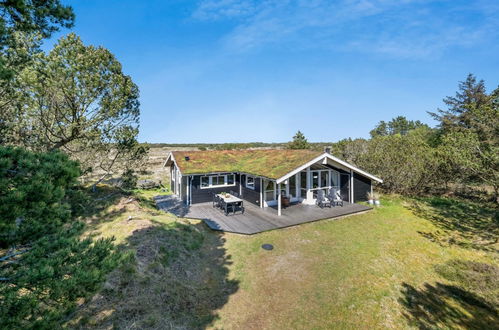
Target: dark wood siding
<point>361,186</point>
<point>250,195</point>
<point>345,186</point>
<point>205,195</point>
<point>184,188</point>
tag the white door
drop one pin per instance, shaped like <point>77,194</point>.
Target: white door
<point>269,193</point>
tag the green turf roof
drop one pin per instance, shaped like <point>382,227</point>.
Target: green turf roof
<point>269,163</point>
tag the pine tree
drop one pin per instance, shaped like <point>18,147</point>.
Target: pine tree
<point>299,142</point>
<point>471,95</point>
<point>398,125</point>
<point>45,266</point>
<point>469,134</point>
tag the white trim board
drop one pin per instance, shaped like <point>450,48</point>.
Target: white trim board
<point>322,158</point>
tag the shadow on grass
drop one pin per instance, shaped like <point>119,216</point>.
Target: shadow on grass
<point>95,205</point>
<point>109,203</point>
<point>446,306</point>
<point>178,278</point>
<point>470,303</point>
<point>463,223</point>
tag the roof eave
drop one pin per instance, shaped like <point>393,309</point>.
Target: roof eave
<point>324,156</point>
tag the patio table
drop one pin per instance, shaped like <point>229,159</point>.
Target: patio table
<point>230,201</point>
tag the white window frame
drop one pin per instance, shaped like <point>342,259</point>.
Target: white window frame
<point>201,182</point>
<point>252,185</point>
<point>330,185</point>
<point>210,181</point>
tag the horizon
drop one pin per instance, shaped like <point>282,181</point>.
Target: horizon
<point>250,70</point>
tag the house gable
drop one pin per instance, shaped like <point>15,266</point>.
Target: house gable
<point>275,164</point>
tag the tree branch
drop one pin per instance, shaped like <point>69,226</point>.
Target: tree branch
<point>13,255</point>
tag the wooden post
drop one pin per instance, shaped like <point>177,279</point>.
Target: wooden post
<point>279,199</point>
<point>241,184</point>
<point>187,191</point>
<point>261,192</point>
<point>351,187</point>
<point>310,194</point>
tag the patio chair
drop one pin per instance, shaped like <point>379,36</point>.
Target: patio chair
<point>233,193</point>
<point>238,207</point>
<point>216,200</point>
<point>335,197</point>
<point>331,193</point>
<point>322,201</point>
<point>227,207</point>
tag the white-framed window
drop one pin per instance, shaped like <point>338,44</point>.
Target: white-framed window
<point>250,182</point>
<point>270,188</point>
<point>205,182</point>
<point>219,180</point>
<point>320,179</point>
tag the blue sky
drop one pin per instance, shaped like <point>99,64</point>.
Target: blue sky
<point>243,70</point>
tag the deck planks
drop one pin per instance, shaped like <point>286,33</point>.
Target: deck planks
<point>255,219</point>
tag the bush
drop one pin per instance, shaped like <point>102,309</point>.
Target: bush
<point>147,184</point>
<point>34,193</point>
<point>46,265</point>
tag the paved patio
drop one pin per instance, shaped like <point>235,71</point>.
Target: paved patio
<point>255,219</point>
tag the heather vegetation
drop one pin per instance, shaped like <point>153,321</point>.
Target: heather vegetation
<point>77,253</point>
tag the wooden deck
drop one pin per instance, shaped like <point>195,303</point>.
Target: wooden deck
<point>255,219</point>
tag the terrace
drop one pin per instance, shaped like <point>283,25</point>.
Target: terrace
<point>255,219</point>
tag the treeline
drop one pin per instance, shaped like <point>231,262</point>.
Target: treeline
<point>217,146</point>
<point>414,158</point>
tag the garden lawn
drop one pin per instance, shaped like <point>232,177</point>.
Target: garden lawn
<point>374,270</point>
<point>388,268</point>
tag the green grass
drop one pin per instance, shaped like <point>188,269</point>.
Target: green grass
<point>412,263</point>
<point>365,271</point>
<point>263,162</point>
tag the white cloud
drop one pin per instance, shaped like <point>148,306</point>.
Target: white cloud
<point>212,9</point>
<point>399,28</point>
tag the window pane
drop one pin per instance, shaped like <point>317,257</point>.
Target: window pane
<point>292,186</point>
<point>220,180</point>
<point>324,179</point>
<point>214,180</point>
<point>303,180</point>
<point>335,179</point>
<point>303,193</point>
<point>315,179</point>
<point>269,186</point>
<point>269,195</point>
<point>250,182</point>
<point>230,179</point>
<point>204,181</point>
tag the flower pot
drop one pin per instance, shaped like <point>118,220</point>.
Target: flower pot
<point>377,202</point>
<point>371,202</point>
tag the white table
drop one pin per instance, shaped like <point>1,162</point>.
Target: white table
<point>230,200</point>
